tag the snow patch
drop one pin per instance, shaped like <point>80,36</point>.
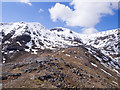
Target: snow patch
<point>94,64</point>
<point>106,72</point>
<point>67,55</point>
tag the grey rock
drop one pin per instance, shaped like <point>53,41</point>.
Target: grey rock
<point>4,78</point>
<point>16,74</point>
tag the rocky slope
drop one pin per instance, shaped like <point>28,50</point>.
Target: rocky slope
<point>73,67</point>
<point>29,49</point>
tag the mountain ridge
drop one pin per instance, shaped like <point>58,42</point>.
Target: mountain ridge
<point>55,32</point>
<point>30,49</point>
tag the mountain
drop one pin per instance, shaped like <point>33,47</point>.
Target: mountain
<point>106,41</point>
<point>31,45</point>
<point>107,44</point>
<point>33,36</point>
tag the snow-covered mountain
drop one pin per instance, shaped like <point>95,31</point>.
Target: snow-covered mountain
<point>32,37</point>
<point>107,43</point>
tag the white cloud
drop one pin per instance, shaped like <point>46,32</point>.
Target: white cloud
<point>85,14</point>
<point>114,5</point>
<point>60,11</point>
<point>41,10</point>
<point>89,30</point>
<point>26,1</point>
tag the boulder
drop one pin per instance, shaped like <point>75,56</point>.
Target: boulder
<point>4,78</point>
<point>45,77</point>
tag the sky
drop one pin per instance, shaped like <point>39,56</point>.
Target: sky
<point>81,18</point>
